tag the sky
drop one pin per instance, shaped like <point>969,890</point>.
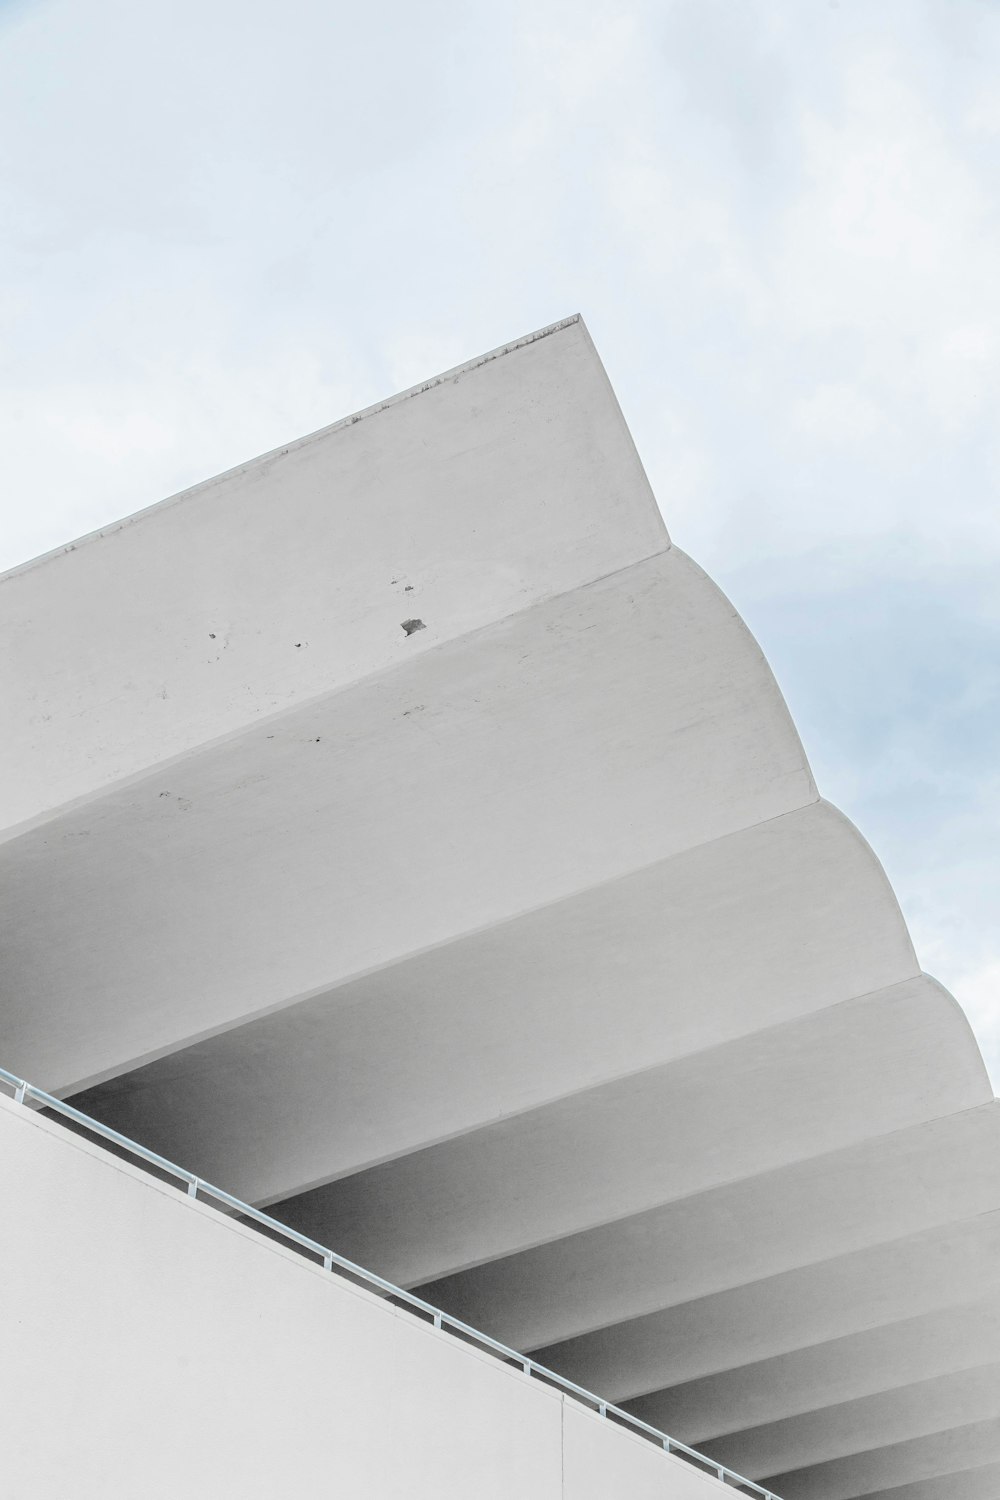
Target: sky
<point>223,225</point>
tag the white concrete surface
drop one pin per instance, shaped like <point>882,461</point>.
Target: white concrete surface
<point>504,482</point>
<point>601,1460</point>
<point>155,1348</point>
<point>391,817</point>
<point>516,954</point>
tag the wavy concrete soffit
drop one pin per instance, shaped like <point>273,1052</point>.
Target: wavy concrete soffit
<point>400,832</point>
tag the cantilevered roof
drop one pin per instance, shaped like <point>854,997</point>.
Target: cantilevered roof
<point>401,832</point>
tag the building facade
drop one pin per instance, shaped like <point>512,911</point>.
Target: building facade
<point>403,835</point>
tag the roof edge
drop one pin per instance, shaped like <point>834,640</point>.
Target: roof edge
<point>311,437</point>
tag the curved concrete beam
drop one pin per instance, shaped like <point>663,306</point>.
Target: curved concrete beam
<point>806,1213</point>
<point>855,1427</point>
<point>791,1316</point>
<point>886,1354</point>
<point>431,801</point>
<point>670,960</point>
<point>973,1445</point>
<point>965,1484</point>
<point>859,1069</point>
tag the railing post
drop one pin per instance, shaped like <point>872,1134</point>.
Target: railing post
<point>193,1187</point>
<point>437,1320</point>
<point>19,1092</point>
<point>328,1262</point>
<point>602,1408</point>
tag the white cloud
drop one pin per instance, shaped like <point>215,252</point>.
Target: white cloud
<point>837,413</point>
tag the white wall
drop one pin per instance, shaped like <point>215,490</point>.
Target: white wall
<point>153,1348</point>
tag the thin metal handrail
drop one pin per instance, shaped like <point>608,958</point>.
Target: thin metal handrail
<point>198,1187</point>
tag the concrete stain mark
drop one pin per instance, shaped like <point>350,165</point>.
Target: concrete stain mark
<point>183,803</point>
<point>411,625</point>
<point>454,376</point>
<point>221,643</point>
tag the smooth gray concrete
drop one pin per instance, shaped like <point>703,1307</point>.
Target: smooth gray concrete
<point>560,999</point>
<point>967,1484</point>
<point>401,832</point>
<point>886,1354</point>
<point>738,1234</point>
<point>801,1089</point>
<point>794,1315</point>
<point>973,1445</point>
<point>911,1410</point>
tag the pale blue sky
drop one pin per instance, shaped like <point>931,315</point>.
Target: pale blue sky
<point>223,225</point>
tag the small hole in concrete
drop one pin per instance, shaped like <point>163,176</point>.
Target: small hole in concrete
<point>411,625</point>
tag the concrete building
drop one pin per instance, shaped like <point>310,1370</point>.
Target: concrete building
<point>400,833</point>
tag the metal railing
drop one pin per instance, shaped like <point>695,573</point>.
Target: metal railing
<point>195,1187</point>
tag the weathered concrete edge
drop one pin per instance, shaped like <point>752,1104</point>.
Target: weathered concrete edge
<point>264,458</point>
